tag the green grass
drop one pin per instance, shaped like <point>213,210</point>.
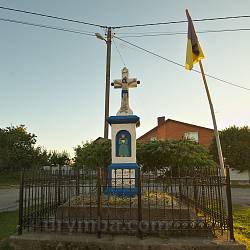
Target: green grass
<point>8,223</point>
<point>9,178</point>
<point>5,245</point>
<point>242,224</point>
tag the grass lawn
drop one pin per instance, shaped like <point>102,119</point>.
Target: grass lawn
<point>8,223</point>
<point>9,178</point>
<point>242,224</point>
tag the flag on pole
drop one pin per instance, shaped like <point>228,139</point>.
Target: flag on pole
<point>194,51</point>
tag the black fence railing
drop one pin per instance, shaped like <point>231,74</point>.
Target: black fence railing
<point>167,202</point>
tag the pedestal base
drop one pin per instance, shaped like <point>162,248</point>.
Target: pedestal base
<point>122,179</point>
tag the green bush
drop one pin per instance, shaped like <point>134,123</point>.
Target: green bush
<point>152,155</point>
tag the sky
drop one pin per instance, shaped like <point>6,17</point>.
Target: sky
<point>54,82</point>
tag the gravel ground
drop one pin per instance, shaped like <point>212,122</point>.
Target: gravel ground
<point>241,196</point>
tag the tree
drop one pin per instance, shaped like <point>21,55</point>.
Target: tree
<point>153,155</point>
<point>93,154</point>
<point>57,158</point>
<point>17,148</point>
<point>179,157</point>
<point>235,143</point>
<point>18,151</point>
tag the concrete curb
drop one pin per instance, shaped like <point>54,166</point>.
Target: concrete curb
<point>39,241</point>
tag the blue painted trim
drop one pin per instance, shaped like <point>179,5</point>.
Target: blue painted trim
<point>124,91</point>
<point>129,192</point>
<point>117,138</point>
<point>123,165</point>
<point>123,119</point>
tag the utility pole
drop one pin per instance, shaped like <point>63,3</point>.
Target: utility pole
<point>107,91</point>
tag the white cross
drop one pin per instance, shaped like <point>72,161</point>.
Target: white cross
<point>125,83</point>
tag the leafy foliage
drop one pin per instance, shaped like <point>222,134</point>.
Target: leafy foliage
<point>151,155</point>
<point>57,158</point>
<point>235,143</point>
<point>93,154</point>
<point>17,148</point>
<point>18,151</point>
<point>174,155</point>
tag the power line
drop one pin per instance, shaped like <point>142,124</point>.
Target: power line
<point>182,21</point>
<point>136,46</point>
<point>152,34</point>
<point>48,27</point>
<point>121,26</point>
<point>50,16</point>
<point>180,65</point>
<point>118,51</point>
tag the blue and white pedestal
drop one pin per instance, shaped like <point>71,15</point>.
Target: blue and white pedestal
<point>123,172</point>
<point>122,179</point>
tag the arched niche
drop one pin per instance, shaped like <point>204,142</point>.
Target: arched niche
<point>123,144</point>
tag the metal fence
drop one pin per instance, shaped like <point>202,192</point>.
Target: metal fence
<point>170,202</point>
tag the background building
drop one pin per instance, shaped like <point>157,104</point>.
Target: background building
<point>175,130</point>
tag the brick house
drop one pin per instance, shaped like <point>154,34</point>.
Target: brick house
<point>176,130</point>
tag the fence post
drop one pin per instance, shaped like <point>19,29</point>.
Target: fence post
<point>99,203</point>
<point>229,204</point>
<point>20,219</point>
<point>140,233</point>
<point>59,186</point>
<point>195,195</point>
<point>77,175</point>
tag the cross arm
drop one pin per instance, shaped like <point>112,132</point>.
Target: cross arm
<point>132,83</point>
<point>117,84</point>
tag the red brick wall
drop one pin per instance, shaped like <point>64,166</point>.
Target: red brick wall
<point>176,130</point>
<point>148,136</point>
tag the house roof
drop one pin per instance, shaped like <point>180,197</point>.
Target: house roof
<point>168,120</point>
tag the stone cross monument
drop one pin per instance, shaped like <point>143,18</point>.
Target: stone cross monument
<point>123,172</point>
<point>125,83</point>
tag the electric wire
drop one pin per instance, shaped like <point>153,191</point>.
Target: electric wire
<point>119,53</point>
<point>182,33</point>
<point>53,17</point>
<point>181,21</point>
<point>48,27</point>
<point>131,44</point>
<point>180,65</point>
<point>121,26</point>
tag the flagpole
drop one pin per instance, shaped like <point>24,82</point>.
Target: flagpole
<point>217,138</point>
<point>216,133</point>
<point>194,54</point>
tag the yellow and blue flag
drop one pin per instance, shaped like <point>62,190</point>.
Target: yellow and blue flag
<point>194,51</point>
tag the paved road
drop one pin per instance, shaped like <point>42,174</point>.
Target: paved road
<point>9,198</point>
<point>241,196</point>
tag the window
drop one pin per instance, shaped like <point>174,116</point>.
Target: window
<point>193,136</point>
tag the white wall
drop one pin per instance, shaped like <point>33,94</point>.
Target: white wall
<point>131,128</point>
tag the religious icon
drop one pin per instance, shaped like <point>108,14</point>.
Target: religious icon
<point>123,146</point>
